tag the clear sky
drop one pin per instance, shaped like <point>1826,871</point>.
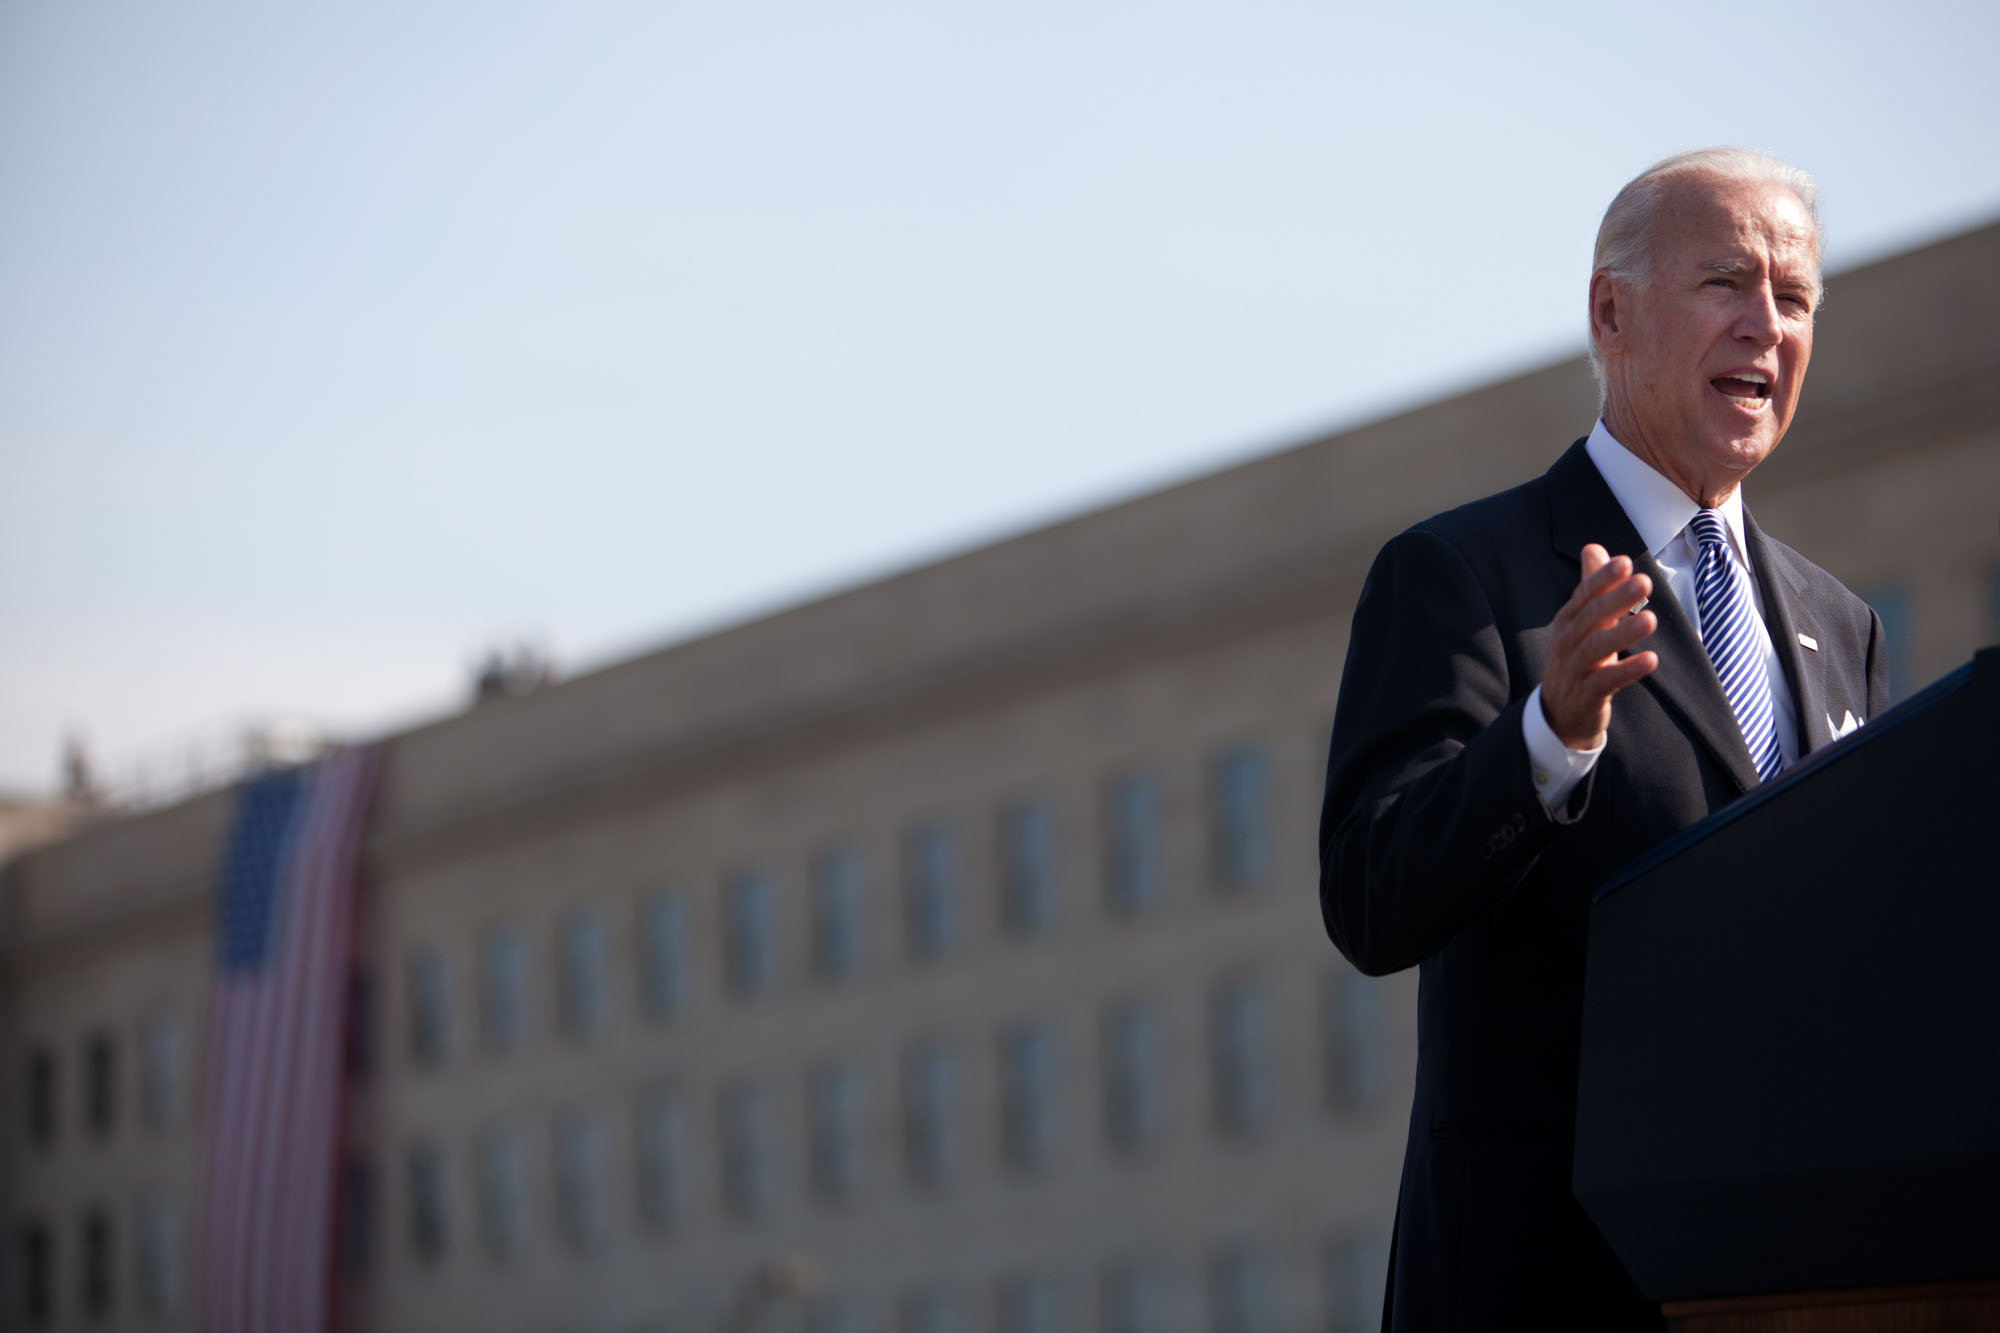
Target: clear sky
<point>338,342</point>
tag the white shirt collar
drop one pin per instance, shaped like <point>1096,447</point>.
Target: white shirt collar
<point>1659,510</point>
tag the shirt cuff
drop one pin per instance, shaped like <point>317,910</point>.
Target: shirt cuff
<point>1554,767</point>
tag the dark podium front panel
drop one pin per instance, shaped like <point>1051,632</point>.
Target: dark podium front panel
<point>1791,1044</point>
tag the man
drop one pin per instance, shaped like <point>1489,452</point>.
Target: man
<point>1544,683</point>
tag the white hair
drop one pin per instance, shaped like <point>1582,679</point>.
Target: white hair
<point>1625,237</point>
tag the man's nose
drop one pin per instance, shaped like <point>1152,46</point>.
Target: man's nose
<point>1757,319</point>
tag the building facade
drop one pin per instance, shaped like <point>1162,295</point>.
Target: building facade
<point>939,955</point>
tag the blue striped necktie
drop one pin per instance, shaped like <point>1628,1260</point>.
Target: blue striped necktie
<point>1729,633</point>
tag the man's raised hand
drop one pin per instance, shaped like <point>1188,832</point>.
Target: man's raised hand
<point>1595,625</point>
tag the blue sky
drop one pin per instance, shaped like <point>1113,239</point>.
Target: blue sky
<point>338,344</point>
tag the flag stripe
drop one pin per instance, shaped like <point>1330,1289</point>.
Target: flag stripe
<point>272,1073</point>
<point>279,1154</point>
<point>320,1047</point>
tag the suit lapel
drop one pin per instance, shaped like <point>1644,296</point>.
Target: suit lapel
<point>1584,510</point>
<point>1788,614</point>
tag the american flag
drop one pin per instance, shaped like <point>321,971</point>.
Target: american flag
<point>271,1082</point>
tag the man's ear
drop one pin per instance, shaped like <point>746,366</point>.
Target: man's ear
<point>1605,328</point>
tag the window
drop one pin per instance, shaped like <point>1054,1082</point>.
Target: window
<point>746,1143</point>
<point>357,1215</point>
<point>42,1097</point>
<point>579,1151</point>
<point>1357,1063</point>
<point>430,1014</point>
<point>1131,1076</point>
<point>1027,1304</point>
<point>100,1083</point>
<point>97,1265</point>
<point>1891,602</point>
<point>836,913</point>
<point>926,1312</point>
<point>429,1211</point>
<point>359,1038</point>
<point>503,1188</point>
<point>835,1097</point>
<point>1130,1296</point>
<point>1027,867</point>
<point>1239,784</point>
<point>663,945</point>
<point>159,1274</point>
<point>1239,1294</point>
<point>580,963</point>
<point>503,989</point>
<point>930,870</point>
<point>38,1304</point>
<point>1240,1064</point>
<point>1357,1268</point>
<point>1131,843</point>
<point>930,1147</point>
<point>663,1155</point>
<point>1027,1096</point>
<point>746,916</point>
<point>160,1062</point>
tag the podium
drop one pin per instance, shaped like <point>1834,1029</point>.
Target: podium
<point>1788,1114</point>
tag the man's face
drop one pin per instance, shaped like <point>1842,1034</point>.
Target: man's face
<point>1705,357</point>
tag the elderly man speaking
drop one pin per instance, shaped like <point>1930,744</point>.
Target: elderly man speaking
<point>1546,682</point>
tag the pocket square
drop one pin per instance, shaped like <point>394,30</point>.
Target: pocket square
<point>1848,723</point>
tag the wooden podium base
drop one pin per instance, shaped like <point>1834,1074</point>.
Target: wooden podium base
<point>1939,1307</point>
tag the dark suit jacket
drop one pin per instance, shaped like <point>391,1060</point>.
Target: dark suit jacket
<point>1436,850</point>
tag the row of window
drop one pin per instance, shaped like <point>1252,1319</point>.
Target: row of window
<point>747,1153</point>
<point>1234,1291</point>
<point>1238,792</point>
<point>1238,800</point>
<point>161,1050</point>
<point>1134,1293</point>
<point>159,1271</point>
<point>1354,1041</point>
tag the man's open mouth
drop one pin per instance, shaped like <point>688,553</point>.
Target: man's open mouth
<point>1749,390</point>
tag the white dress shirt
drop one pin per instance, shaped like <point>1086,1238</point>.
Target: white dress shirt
<point>1661,512</point>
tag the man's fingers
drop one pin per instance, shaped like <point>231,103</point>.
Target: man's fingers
<point>1595,561</point>
<point>1615,633</point>
<point>1605,575</point>
<point>1600,649</point>
<point>1594,689</point>
<point>1618,639</point>
<point>1608,680</point>
<point>1595,625</point>
<point>1618,599</point>
<point>1592,608</point>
